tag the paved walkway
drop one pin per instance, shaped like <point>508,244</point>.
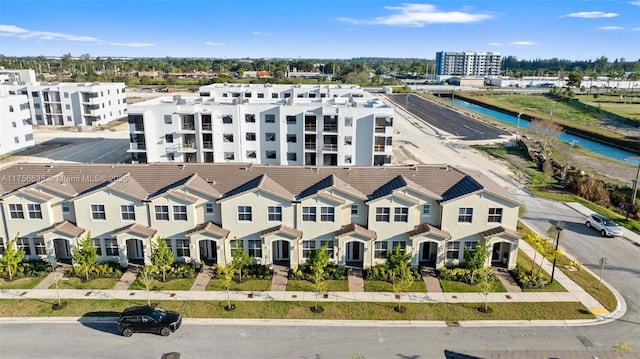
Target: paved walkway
<point>203,278</point>
<point>354,277</point>
<point>280,278</point>
<point>430,280</point>
<point>128,277</point>
<point>507,280</point>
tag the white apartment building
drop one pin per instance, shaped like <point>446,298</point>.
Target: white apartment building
<point>312,125</point>
<point>468,63</point>
<point>72,104</point>
<point>277,213</point>
<point>16,132</point>
<point>17,77</point>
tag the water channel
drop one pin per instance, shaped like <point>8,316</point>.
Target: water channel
<point>593,146</point>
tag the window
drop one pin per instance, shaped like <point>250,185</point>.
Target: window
<point>168,138</point>
<point>65,207</point>
<point>97,212</point>
<point>66,95</point>
<point>16,139</point>
<point>97,245</point>
<point>229,156</point>
<point>269,136</point>
<point>1,246</point>
<point>254,247</point>
<point>110,246</point>
<point>465,215</point>
<point>162,213</point>
<point>28,137</point>
<point>308,214</point>
<point>270,155</point>
<point>274,213</point>
<point>401,244</point>
<point>291,120</point>
<point>307,248</point>
<point>401,214</point>
<point>452,250</point>
<point>167,119</point>
<point>383,214</point>
<point>23,243</point>
<point>495,215</point>
<point>327,214</point>
<point>13,124</point>
<point>348,140</point>
<point>347,159</point>
<point>128,212</point>
<point>67,107</point>
<point>292,156</point>
<point>354,210</point>
<point>250,118</point>
<point>251,154</point>
<point>35,94</point>
<point>472,247</point>
<point>227,119</point>
<point>244,213</point>
<point>260,95</point>
<point>348,121</point>
<point>292,138</point>
<point>39,246</point>
<point>15,211</point>
<point>182,248</point>
<point>380,250</point>
<point>250,136</point>
<point>269,118</point>
<point>274,95</point>
<point>426,210</point>
<point>236,244</point>
<point>227,137</point>
<point>208,208</point>
<point>179,213</point>
<point>329,244</point>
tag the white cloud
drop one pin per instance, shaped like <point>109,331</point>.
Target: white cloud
<point>637,3</point>
<point>259,33</point>
<point>592,14</point>
<point>494,44</point>
<point>214,43</point>
<point>132,44</point>
<point>636,29</point>
<point>610,28</point>
<point>418,15</point>
<point>522,43</point>
<point>12,30</point>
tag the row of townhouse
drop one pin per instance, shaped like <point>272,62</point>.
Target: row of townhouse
<point>278,214</point>
<point>311,125</point>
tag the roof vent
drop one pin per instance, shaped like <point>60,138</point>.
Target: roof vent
<point>182,166</point>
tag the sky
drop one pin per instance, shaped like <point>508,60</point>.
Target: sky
<point>321,29</point>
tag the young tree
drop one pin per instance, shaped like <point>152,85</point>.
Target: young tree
<point>241,258</point>
<point>484,282</point>
<point>547,131</point>
<point>318,261</point>
<point>12,257</point>
<point>144,276</point>
<point>162,257</point>
<point>403,282</point>
<point>397,260</point>
<point>84,255</point>
<point>476,261</point>
<point>228,272</point>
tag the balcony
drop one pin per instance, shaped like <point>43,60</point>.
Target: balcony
<point>138,127</point>
<point>137,147</point>
<point>187,128</point>
<point>310,145</point>
<point>186,147</point>
<point>207,145</point>
<point>378,148</point>
<point>310,127</point>
<point>330,127</point>
<point>206,126</point>
<point>330,147</point>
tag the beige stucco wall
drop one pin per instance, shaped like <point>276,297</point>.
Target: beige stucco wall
<point>112,201</point>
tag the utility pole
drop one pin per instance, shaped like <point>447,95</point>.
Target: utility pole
<point>634,192</point>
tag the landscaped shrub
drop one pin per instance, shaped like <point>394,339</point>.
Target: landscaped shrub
<point>382,273</point>
<point>331,272</point>
<point>526,280</point>
<point>464,275</point>
<point>101,270</point>
<point>176,270</point>
<point>257,271</point>
<point>35,268</point>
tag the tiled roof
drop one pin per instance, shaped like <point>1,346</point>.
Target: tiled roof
<point>264,183</point>
<point>398,183</point>
<point>128,185</point>
<point>65,227</point>
<point>426,228</point>
<point>199,184</point>
<point>498,230</point>
<point>35,193</point>
<point>466,185</point>
<point>58,184</point>
<point>136,228</point>
<point>355,228</point>
<point>283,229</point>
<point>185,196</point>
<point>331,181</point>
<point>211,228</point>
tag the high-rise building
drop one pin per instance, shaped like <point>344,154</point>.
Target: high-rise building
<point>16,132</point>
<point>468,63</point>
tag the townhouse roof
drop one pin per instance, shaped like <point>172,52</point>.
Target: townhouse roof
<point>209,227</point>
<point>35,194</point>
<point>399,182</point>
<point>65,227</point>
<point>230,179</point>
<point>58,184</point>
<point>355,228</point>
<point>423,228</point>
<point>136,228</point>
<point>499,230</point>
<point>282,229</point>
<point>331,181</point>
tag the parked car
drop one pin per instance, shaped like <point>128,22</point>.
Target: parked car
<point>148,319</point>
<point>604,225</point>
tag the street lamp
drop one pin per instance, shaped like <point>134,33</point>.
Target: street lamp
<point>635,185</point>
<point>555,255</point>
<point>566,165</point>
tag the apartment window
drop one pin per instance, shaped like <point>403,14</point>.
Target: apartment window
<point>291,120</point>
<point>66,95</point>
<point>97,212</point>
<point>270,155</point>
<point>495,215</point>
<point>167,119</point>
<point>227,137</point>
<point>28,137</point>
<point>65,207</point>
<point>236,244</point>
<point>269,136</point>
<point>383,214</point>
<point>182,248</point>
<point>1,246</point>
<point>260,95</point>
<point>453,250</point>
<point>348,140</point>
<point>168,138</point>
<point>347,159</point>
<point>472,247</point>
<point>308,214</point>
<point>110,246</point>
<point>465,215</point>
<point>38,244</point>
<point>401,214</point>
<point>274,213</point>
<point>354,210</point>
<point>348,121</point>
<point>329,244</point>
<point>127,212</point>
<point>15,211</point>
<point>269,118</point>
<point>254,248</point>
<point>16,139</point>
<point>179,213</point>
<point>307,248</point>
<point>292,156</point>
<point>14,124</point>
<point>229,156</point>
<point>426,210</point>
<point>35,94</point>
<point>36,106</point>
<point>162,213</point>
<point>23,243</point>
<point>97,245</point>
<point>327,214</point>
<point>250,118</point>
<point>250,136</point>
<point>67,107</point>
<point>380,249</point>
<point>292,138</point>
<point>227,119</point>
<point>401,244</point>
<point>208,208</point>
<point>244,213</point>
<point>274,95</point>
<point>251,154</point>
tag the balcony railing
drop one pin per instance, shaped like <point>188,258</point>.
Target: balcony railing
<point>137,146</point>
<point>380,129</point>
<point>378,148</point>
<point>310,127</point>
<point>330,147</point>
<point>207,145</point>
<point>188,126</point>
<point>310,145</point>
<point>139,127</point>
<point>206,126</point>
<point>330,128</point>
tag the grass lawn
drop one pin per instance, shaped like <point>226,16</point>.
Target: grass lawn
<point>382,286</point>
<point>306,286</point>
<point>300,310</point>
<point>451,286</point>
<point>77,283</point>
<point>20,283</point>
<point>246,286</point>
<point>525,261</point>
<point>173,284</point>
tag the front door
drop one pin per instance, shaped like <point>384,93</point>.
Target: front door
<point>428,251</point>
<point>495,252</point>
<point>281,250</point>
<point>354,251</point>
<point>135,251</point>
<point>208,250</point>
<point>61,248</point>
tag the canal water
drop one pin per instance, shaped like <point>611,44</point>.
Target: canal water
<point>593,146</point>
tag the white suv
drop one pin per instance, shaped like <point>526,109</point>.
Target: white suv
<point>604,225</point>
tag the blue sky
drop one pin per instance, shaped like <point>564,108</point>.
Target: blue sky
<point>528,29</point>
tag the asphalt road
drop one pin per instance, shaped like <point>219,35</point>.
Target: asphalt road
<point>447,120</point>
